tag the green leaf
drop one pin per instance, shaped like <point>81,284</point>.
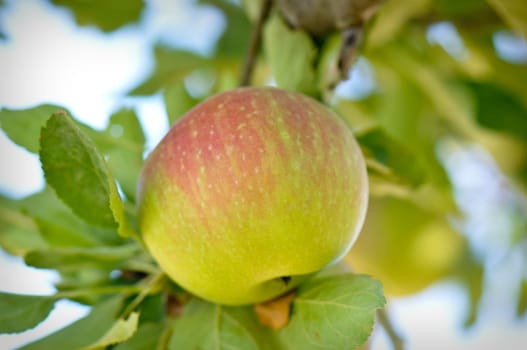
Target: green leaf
<point>107,15</point>
<point>454,9</point>
<point>83,332</point>
<point>499,110</point>
<point>19,234</point>
<point>146,338</point>
<point>78,173</point>
<point>23,126</point>
<point>514,13</point>
<point>471,276</point>
<point>2,34</point>
<point>21,312</point>
<point>401,109</point>
<point>83,279</point>
<point>335,312</point>
<point>291,56</point>
<point>177,101</point>
<point>121,331</point>
<point>59,227</point>
<point>71,258</point>
<point>209,326</point>
<point>395,163</point>
<point>125,142</point>
<point>392,17</point>
<point>153,308</point>
<point>521,306</point>
<point>171,66</point>
<point>235,38</point>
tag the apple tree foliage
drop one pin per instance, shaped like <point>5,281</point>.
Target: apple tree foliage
<point>83,223</point>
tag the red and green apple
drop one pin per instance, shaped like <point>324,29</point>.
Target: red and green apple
<point>250,192</point>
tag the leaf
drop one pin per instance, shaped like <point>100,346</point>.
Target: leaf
<point>235,38</point>
<point>335,312</point>
<point>2,34</point>
<point>83,332</point>
<point>71,258</point>
<point>146,338</point>
<point>124,149</point>
<point>455,9</point>
<point>23,126</point>
<point>19,234</point>
<point>177,101</point>
<point>499,110</point>
<point>396,163</point>
<point>470,274</point>
<point>21,312</point>
<point>514,13</point>
<point>291,56</point>
<point>392,17</point>
<point>106,15</point>
<point>171,66</point>
<point>209,326</point>
<point>59,226</point>
<point>521,306</point>
<point>121,330</point>
<point>78,173</point>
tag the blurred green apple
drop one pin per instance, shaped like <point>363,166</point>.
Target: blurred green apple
<point>406,246</point>
<point>250,192</point>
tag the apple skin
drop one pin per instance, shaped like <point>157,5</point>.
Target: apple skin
<point>250,192</point>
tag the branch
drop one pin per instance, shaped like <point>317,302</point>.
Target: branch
<point>397,341</point>
<point>254,44</point>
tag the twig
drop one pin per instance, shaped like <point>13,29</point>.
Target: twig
<point>254,44</point>
<point>397,341</point>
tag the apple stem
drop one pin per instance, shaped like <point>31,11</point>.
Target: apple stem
<point>384,320</point>
<point>254,44</point>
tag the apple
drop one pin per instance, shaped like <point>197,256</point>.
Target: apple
<point>406,246</point>
<point>250,192</point>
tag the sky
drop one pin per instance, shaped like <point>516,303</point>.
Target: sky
<point>48,59</point>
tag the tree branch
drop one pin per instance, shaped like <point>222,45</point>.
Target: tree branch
<point>254,44</point>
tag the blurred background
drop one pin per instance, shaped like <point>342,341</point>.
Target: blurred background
<point>438,100</point>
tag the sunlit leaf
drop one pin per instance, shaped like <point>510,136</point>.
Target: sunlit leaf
<point>171,66</point>
<point>514,13</point>
<point>146,338</point>
<point>334,312</point>
<point>120,331</point>
<point>106,15</point>
<point>291,56</point>
<point>21,312</point>
<point>392,16</point>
